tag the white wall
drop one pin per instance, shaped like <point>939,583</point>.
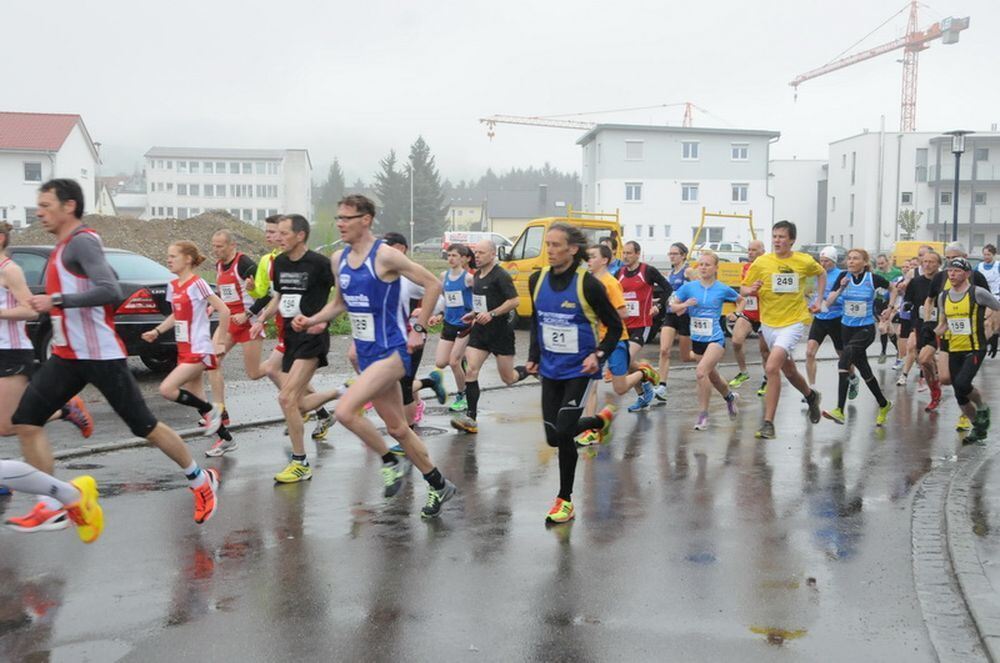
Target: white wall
<point>794,185</point>
<point>298,184</point>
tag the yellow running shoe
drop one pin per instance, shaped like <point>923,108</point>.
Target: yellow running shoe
<point>294,472</point>
<point>587,438</point>
<point>561,512</point>
<point>86,514</point>
<point>883,414</point>
<point>963,424</point>
<point>649,373</point>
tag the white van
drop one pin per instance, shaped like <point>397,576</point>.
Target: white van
<point>469,237</point>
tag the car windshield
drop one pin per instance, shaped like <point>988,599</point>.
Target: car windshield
<point>136,268</point>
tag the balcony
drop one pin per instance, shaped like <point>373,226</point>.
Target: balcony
<point>984,214</point>
<point>986,171</point>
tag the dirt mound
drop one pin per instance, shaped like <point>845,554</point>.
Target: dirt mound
<point>151,238</point>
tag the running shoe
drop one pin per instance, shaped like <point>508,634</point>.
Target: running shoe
<point>607,415</point>
<point>86,513</point>
<point>762,389</point>
<point>437,384</point>
<point>78,415</point>
<point>561,512</point>
<point>397,449</point>
<point>206,499</point>
<point>731,407</point>
<point>963,424</point>
<point>221,448</point>
<point>5,491</point>
<point>211,421</point>
<point>853,384</point>
<point>644,399</point>
<point>323,426</point>
<point>897,365</point>
<point>588,438</point>
<point>294,472</point>
<point>901,381</point>
<point>702,423</point>
<point>436,499</point>
<point>935,397</point>
<point>814,412</point>
<point>836,415</point>
<point>766,431</point>
<point>883,414</point>
<point>306,418</point>
<point>393,476</point>
<point>660,392</point>
<point>881,359</point>
<point>465,423</point>
<point>459,404</point>
<point>983,417</point>
<point>738,380</point>
<point>418,412</point>
<point>649,373</point>
<point>40,519</point>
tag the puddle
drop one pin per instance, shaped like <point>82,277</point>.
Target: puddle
<point>777,636</point>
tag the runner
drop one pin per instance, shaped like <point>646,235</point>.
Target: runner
<point>989,269</point>
<point>963,310</point>
<point>923,340</point>
<point>368,274</point>
<point>858,288</point>
<point>81,291</point>
<point>493,298</point>
<point>891,274</point>
<point>702,302</point>
<point>566,350</point>
<point>746,321</point>
<point>903,321</point>
<point>302,283</point>
<point>674,326</point>
<point>826,322</point>
<point>77,499</point>
<point>611,242</point>
<point>777,280</point>
<point>197,351</point>
<point>457,280</point>
<point>637,279</point>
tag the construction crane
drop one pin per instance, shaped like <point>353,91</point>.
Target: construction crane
<point>912,43</point>
<point>558,121</point>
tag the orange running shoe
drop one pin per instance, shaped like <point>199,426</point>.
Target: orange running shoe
<point>205,496</point>
<point>40,519</point>
<point>79,416</point>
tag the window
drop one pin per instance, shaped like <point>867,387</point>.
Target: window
<point>193,189</point>
<point>182,189</point>
<point>843,164</point>
<point>32,264</point>
<point>3,213</point>
<point>220,167</point>
<point>714,234</point>
<point>598,153</point>
<point>598,194</point>
<point>241,190</point>
<point>194,166</point>
<point>170,165</point>
<point>978,239</point>
<point>260,168</point>
<point>689,150</point>
<point>740,192</point>
<point>666,231</point>
<point>649,231</point>
<point>235,213</point>
<point>689,193</point>
<point>182,212</point>
<point>152,187</point>
<point>854,165</point>
<point>182,166</point>
<point>247,170</point>
<point>921,164</point>
<point>220,190</point>
<point>851,219</point>
<point>195,211</point>
<point>906,198</point>
<point>638,230</point>
<point>945,198</point>
<point>234,169</point>
<point>980,197</point>
<point>209,167</point>
<point>170,211</point>
<point>833,205</point>
<point>529,244</point>
<point>633,191</point>
<point>633,150</point>
<point>261,214</point>
<point>209,190</point>
<point>272,212</point>
<point>272,169</point>
<point>740,151</point>
<point>170,186</point>
<point>32,171</point>
<point>248,215</point>
<point>982,154</point>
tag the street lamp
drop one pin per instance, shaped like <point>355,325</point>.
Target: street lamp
<point>409,167</point>
<point>957,147</point>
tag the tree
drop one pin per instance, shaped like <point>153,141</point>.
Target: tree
<point>908,222</point>
<point>393,189</point>
<point>325,198</point>
<point>428,197</point>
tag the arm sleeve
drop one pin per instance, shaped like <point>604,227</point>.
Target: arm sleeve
<point>985,298</point>
<point>534,349</point>
<point>597,297</point>
<point>85,255</point>
<point>246,267</point>
<point>260,304</point>
<point>658,279</point>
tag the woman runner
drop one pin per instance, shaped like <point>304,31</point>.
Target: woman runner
<point>457,280</point>
<point>674,325</point>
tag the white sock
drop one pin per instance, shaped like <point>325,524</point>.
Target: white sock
<point>195,475</point>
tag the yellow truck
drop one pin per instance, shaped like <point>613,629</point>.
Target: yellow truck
<point>907,249</point>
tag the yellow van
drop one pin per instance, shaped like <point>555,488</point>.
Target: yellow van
<point>905,250</point>
<point>528,254</point>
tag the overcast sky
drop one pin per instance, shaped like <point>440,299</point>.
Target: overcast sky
<point>355,79</point>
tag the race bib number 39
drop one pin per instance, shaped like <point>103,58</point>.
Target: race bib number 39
<point>479,303</point>
<point>856,309</point>
<point>227,292</point>
<point>701,326</point>
<point>960,326</point>
<point>563,340</point>
<point>785,283</point>
<point>363,326</point>
<point>289,305</point>
<point>181,334</point>
<point>631,308</point>
<point>453,299</point>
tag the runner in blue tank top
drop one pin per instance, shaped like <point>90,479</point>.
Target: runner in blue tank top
<point>457,301</point>
<point>674,326</point>
<point>367,273</point>
<point>826,323</point>
<point>856,291</point>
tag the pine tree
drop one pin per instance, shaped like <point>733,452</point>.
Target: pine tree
<point>428,198</point>
<point>393,189</point>
<point>325,199</point>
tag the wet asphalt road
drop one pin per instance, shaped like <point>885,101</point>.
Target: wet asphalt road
<point>700,546</point>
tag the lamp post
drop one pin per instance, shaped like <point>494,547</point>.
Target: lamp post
<point>409,167</point>
<point>957,148</point>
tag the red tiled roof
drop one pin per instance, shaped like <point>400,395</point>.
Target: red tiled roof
<point>35,131</point>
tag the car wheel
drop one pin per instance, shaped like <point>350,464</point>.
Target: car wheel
<point>159,363</point>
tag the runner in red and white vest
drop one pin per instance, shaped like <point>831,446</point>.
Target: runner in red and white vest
<point>81,291</point>
<point>746,322</point>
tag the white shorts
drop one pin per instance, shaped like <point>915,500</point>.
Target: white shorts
<point>783,337</point>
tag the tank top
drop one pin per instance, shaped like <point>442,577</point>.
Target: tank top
<point>858,301</point>
<point>965,323</point>
<point>457,298</point>
<point>13,333</point>
<point>231,287</point>
<point>372,305</point>
<point>192,329</point>
<point>836,309</point>
<point>638,297</point>
<point>567,327</point>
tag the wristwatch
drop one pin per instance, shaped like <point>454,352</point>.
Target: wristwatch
<point>599,354</point>
<point>419,328</point>
<point>57,299</point>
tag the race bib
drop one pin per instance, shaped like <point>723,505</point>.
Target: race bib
<point>631,308</point>
<point>228,293</point>
<point>363,326</point>
<point>750,303</point>
<point>960,326</point>
<point>181,334</point>
<point>854,309</point>
<point>701,326</point>
<point>453,299</point>
<point>289,305</point>
<point>785,283</point>
<point>563,340</point>
<point>479,303</point>
<point>58,333</point>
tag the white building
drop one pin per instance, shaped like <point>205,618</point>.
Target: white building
<point>875,176</point>
<point>36,147</point>
<point>249,184</point>
<point>660,177</point>
<point>798,187</point>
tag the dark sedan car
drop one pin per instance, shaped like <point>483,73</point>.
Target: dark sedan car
<point>144,286</point>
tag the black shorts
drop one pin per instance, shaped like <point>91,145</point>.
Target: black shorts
<point>17,362</point>
<point>406,382</point>
<point>905,328</point>
<point>820,329</point>
<point>857,339</point>
<point>699,347</point>
<point>451,332</point>
<point>562,406</point>
<point>300,345</point>
<point>58,380</point>
<point>497,337</point>
<point>682,323</point>
<point>926,336</point>
<point>638,335</point>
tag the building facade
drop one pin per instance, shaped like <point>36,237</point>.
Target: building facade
<point>659,178</point>
<point>798,187</point>
<point>35,147</point>
<point>249,184</point>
